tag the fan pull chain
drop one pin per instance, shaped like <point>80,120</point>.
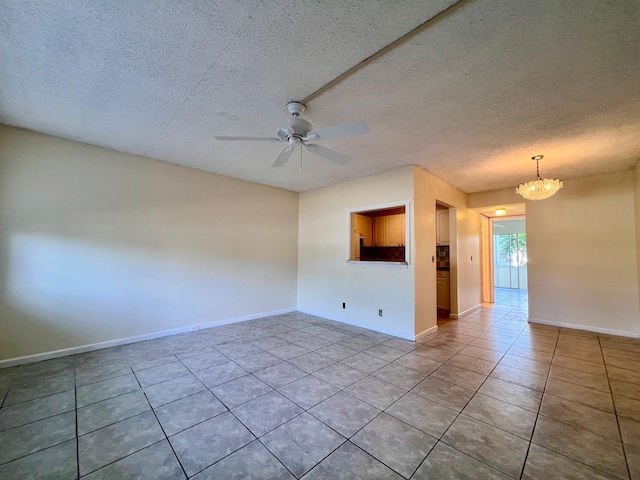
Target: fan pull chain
<point>300,158</point>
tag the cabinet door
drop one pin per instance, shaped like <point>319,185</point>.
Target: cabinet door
<point>362,228</point>
<point>442,227</point>
<point>395,230</point>
<point>358,223</point>
<point>367,231</point>
<point>389,230</point>
<point>380,231</point>
<point>443,294</point>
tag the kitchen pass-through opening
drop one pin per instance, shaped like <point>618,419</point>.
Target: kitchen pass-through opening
<point>378,235</point>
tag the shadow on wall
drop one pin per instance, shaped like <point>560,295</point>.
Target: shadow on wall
<point>61,292</point>
<point>29,329</point>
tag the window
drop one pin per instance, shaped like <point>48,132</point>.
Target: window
<point>378,235</point>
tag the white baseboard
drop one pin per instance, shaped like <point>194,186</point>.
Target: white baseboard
<point>426,332</point>
<point>588,328</point>
<point>358,324</point>
<point>465,312</point>
<point>38,357</point>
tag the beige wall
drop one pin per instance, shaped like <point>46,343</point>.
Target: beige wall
<point>582,255</point>
<point>636,197</point>
<point>464,249</point>
<point>424,221</point>
<point>406,295</point>
<point>97,245</point>
<point>325,280</point>
<point>583,267</point>
<point>469,266</point>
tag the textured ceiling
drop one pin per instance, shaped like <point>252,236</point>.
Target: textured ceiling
<point>469,97</point>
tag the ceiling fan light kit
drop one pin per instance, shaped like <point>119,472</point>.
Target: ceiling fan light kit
<point>540,188</point>
<point>299,132</point>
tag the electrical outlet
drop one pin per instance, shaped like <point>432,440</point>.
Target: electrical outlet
<point>380,312</point>
<point>344,305</point>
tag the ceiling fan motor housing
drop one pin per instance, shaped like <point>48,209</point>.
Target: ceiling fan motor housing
<point>296,108</point>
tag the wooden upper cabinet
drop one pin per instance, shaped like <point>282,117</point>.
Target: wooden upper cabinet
<point>364,228</point>
<point>389,230</point>
<point>442,227</point>
<point>367,231</point>
<point>395,230</point>
<point>379,231</point>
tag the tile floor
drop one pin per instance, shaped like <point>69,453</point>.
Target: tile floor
<point>296,396</point>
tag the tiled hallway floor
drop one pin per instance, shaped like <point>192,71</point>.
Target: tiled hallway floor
<point>296,396</point>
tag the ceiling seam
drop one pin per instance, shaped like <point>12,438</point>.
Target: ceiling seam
<point>195,87</point>
<point>440,16</point>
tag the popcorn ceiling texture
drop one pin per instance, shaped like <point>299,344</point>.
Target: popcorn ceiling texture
<point>470,98</point>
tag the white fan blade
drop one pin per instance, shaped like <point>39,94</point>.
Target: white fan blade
<point>250,139</point>
<point>284,156</point>
<point>328,154</point>
<point>338,131</point>
<point>271,111</point>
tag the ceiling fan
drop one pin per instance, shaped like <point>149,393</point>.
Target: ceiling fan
<point>296,131</point>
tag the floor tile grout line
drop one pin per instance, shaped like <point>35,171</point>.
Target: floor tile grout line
<point>471,456</point>
<point>256,438</point>
<point>116,422</point>
<point>243,403</point>
<point>471,398</point>
<point>274,455</point>
<point>389,466</point>
<point>166,437</point>
<point>438,439</point>
<point>467,403</point>
<point>477,459</point>
<point>560,453</point>
<point>6,394</point>
<point>39,419</point>
<point>615,410</point>
<point>303,411</point>
<point>535,423</point>
<point>412,426</point>
<point>121,458</point>
<point>37,451</point>
<point>320,461</point>
<point>347,439</point>
<point>77,439</point>
<point>41,449</point>
<point>37,398</point>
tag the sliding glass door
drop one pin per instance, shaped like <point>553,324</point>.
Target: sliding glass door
<point>510,260</point>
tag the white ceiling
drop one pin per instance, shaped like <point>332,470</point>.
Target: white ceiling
<point>470,97</point>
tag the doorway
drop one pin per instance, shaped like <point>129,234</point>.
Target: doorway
<point>442,260</point>
<point>504,258</point>
<point>510,254</point>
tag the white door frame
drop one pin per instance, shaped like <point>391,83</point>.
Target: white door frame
<point>486,255</point>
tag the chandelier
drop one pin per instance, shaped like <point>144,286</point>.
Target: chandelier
<point>540,188</point>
